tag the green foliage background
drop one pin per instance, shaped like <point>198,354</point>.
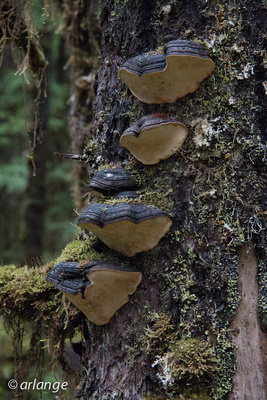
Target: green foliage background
<point>16,125</point>
<point>17,96</point>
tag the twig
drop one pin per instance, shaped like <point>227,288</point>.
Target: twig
<point>77,157</point>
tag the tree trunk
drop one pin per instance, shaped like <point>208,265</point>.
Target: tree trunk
<point>36,192</point>
<point>250,340</point>
<point>83,36</point>
<point>215,190</point>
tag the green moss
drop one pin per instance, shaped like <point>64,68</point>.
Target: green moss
<point>150,197</point>
<point>82,249</point>
<point>225,351</point>
<point>192,360</point>
<point>157,199</point>
<point>24,290</point>
<point>261,253</point>
<point>160,333</point>
<point>7,273</point>
<point>196,394</point>
<point>29,303</point>
<point>263,294</point>
<point>77,250</point>
<point>190,366</point>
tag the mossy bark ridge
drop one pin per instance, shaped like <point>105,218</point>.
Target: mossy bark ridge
<point>214,184</point>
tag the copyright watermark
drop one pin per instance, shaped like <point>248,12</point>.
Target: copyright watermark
<point>12,384</point>
<point>37,385</point>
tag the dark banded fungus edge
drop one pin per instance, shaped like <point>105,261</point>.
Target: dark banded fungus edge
<point>126,227</point>
<point>154,138</point>
<point>164,78</point>
<point>98,289</point>
<point>111,181</point>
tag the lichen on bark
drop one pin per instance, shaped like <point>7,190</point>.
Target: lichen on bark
<point>214,184</point>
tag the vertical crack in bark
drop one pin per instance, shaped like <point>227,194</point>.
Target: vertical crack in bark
<point>251,372</point>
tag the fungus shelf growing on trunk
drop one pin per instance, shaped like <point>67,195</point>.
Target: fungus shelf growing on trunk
<point>154,138</point>
<point>126,227</point>
<point>98,289</point>
<point>164,78</point>
<point>111,181</point>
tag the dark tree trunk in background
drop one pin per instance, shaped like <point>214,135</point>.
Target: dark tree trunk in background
<point>83,36</point>
<point>36,190</point>
<point>215,187</point>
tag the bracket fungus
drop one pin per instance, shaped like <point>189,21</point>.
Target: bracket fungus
<point>111,181</point>
<point>98,289</point>
<point>126,227</point>
<point>129,194</point>
<point>154,138</point>
<point>164,78</point>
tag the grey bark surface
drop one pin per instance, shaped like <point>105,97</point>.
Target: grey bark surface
<point>250,380</point>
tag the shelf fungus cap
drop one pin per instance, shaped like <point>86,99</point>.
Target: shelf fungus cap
<point>154,138</point>
<point>111,181</point>
<point>164,78</point>
<point>126,227</point>
<point>98,289</point>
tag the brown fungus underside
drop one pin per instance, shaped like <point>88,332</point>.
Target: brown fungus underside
<point>154,138</point>
<point>127,227</point>
<point>97,289</point>
<point>160,78</point>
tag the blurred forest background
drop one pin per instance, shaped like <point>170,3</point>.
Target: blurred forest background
<point>37,214</point>
<point>46,192</point>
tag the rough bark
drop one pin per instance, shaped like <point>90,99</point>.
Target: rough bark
<point>250,380</point>
<point>214,189</point>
